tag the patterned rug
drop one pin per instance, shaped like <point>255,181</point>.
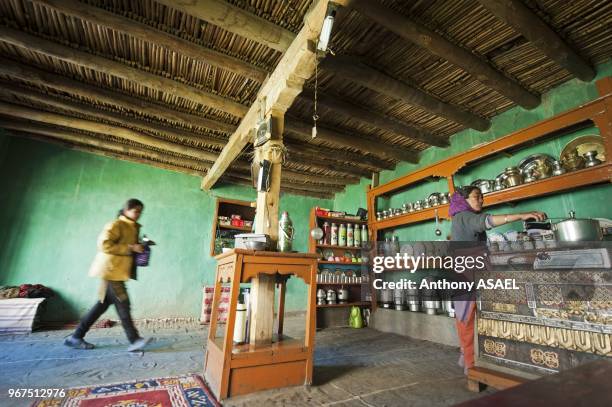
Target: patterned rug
<point>179,391</point>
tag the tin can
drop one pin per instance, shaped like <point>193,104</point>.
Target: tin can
<point>334,234</point>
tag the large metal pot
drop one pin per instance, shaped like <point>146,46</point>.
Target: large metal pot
<point>511,177</point>
<point>485,185</point>
<point>577,230</point>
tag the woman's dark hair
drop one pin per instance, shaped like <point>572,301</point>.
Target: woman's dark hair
<point>466,191</point>
<point>130,204</point>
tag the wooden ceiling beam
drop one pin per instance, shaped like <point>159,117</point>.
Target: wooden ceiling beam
<point>39,77</point>
<point>111,67</point>
<point>105,153</point>
<point>315,162</point>
<point>356,71</point>
<point>122,151</point>
<point>334,154</point>
<point>516,14</point>
<point>371,163</point>
<point>116,118</point>
<point>279,91</point>
<point>300,157</point>
<point>373,118</point>
<point>28,113</point>
<point>433,42</point>
<point>284,188</point>
<point>295,184</point>
<point>344,140</point>
<point>235,20</point>
<point>155,36</point>
<point>74,137</point>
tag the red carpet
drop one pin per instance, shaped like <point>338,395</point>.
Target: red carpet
<point>180,391</point>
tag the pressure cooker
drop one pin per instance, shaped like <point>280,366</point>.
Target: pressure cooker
<point>574,229</point>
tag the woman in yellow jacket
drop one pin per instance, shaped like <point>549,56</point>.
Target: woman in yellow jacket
<point>114,264</point>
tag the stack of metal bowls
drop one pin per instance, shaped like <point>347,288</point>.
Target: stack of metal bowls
<point>386,297</point>
<point>431,301</point>
<point>412,299</point>
<point>399,299</point>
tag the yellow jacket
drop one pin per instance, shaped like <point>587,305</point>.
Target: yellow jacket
<point>114,259</point>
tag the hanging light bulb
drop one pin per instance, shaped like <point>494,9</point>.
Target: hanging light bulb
<point>327,28</point>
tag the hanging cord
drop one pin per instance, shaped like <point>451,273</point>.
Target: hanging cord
<point>315,116</point>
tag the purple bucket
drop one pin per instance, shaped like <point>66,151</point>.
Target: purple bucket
<point>142,259</point>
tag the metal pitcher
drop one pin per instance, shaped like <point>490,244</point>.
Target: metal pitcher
<point>285,233</point>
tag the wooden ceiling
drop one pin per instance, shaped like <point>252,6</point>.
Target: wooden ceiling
<point>167,82</point>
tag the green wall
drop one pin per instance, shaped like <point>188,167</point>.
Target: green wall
<point>55,202</point>
<point>588,202</point>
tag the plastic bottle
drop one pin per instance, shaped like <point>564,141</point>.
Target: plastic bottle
<point>342,235</point>
<point>240,322</point>
<point>334,234</point>
<point>364,235</point>
<point>357,233</point>
<point>350,236</point>
<point>326,233</point>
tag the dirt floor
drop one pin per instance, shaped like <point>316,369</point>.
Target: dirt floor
<point>360,367</point>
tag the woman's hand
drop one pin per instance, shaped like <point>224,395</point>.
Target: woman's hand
<point>136,248</point>
<point>537,215</point>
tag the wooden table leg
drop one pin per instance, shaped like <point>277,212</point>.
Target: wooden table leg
<point>214,312</point>
<point>311,323</point>
<point>228,339</point>
<point>281,307</point>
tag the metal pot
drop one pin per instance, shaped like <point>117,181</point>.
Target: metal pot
<point>577,230</point>
<point>321,296</point>
<point>418,205</point>
<point>434,199</point>
<point>386,297</point>
<point>412,298</point>
<point>331,296</point>
<point>399,299</point>
<point>498,184</point>
<point>529,177</point>
<point>572,161</point>
<point>558,169</point>
<point>343,295</point>
<point>512,177</point>
<point>590,158</point>
<point>485,185</point>
<point>444,199</point>
<point>449,308</point>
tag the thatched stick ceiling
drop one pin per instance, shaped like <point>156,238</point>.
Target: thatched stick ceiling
<point>168,82</point>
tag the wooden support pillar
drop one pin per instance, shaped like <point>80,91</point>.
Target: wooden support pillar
<point>266,221</point>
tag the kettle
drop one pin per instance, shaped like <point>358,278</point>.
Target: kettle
<point>343,295</point>
<point>331,296</point>
<point>321,296</point>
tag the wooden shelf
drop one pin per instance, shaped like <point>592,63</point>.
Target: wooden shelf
<point>588,176</point>
<point>413,217</point>
<point>342,220</point>
<point>353,287</point>
<point>228,207</point>
<point>240,228</point>
<point>328,246</point>
<point>341,263</point>
<point>348,304</point>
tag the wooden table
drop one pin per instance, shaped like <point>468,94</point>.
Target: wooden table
<point>586,385</point>
<point>240,369</point>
